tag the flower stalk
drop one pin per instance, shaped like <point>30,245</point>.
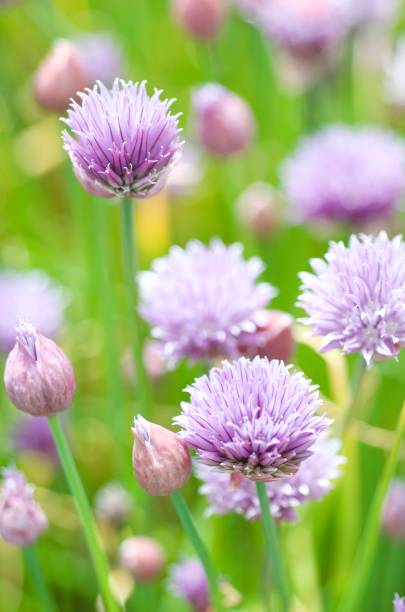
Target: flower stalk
<point>83,508</point>
<point>37,578</point>
<point>199,547</point>
<point>273,548</point>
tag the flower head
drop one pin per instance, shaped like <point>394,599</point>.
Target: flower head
<point>101,55</point>
<point>345,174</point>
<point>399,603</point>
<point>22,520</point>
<point>203,19</point>
<point>393,516</point>
<point>122,141</point>
<point>258,209</point>
<point>252,417</point>
<point>355,299</point>
<point>304,26</point>
<point>234,493</point>
<point>224,121</point>
<point>34,435</point>
<point>161,460</point>
<point>38,377</point>
<point>113,503</point>
<point>143,557</point>
<point>202,300</point>
<point>188,581</point>
<point>32,296</point>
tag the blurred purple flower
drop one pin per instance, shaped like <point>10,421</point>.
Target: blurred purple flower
<point>227,493</point>
<point>32,434</point>
<point>202,300</point>
<point>188,581</point>
<point>256,418</point>
<point>102,56</point>
<point>30,295</point>
<point>304,26</point>
<point>355,299</point>
<point>123,142</point>
<point>113,502</point>
<point>376,11</point>
<point>399,603</point>
<point>22,520</point>
<point>393,516</point>
<point>345,174</point>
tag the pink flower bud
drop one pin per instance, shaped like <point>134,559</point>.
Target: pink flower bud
<point>113,503</point>
<point>60,76</point>
<point>161,461</point>
<point>275,338</point>
<point>258,209</point>
<point>22,520</point>
<point>142,557</point>
<point>225,123</point>
<point>38,377</point>
<point>393,516</point>
<point>200,18</point>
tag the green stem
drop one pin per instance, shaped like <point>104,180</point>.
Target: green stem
<point>131,269</point>
<point>37,578</point>
<point>272,546</point>
<point>351,601</point>
<point>83,508</point>
<point>356,384</point>
<point>199,547</point>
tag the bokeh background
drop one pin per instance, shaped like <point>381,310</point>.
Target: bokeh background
<point>47,222</point>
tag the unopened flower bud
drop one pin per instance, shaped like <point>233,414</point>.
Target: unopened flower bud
<point>161,461</point>
<point>22,520</point>
<point>38,377</point>
<point>393,516</point>
<point>225,123</point>
<point>278,338</point>
<point>200,18</point>
<point>258,209</point>
<point>60,76</point>
<point>142,557</point>
<point>113,503</point>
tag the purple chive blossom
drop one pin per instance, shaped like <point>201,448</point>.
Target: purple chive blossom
<point>202,300</point>
<point>345,174</point>
<point>304,26</point>
<point>32,296</point>
<point>33,435</point>
<point>399,603</point>
<point>234,493</point>
<point>393,515</point>
<point>122,142</point>
<point>256,418</point>
<point>22,520</point>
<point>101,55</point>
<point>355,299</point>
<point>188,581</point>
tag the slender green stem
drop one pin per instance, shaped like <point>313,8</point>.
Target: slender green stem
<point>199,547</point>
<point>37,578</point>
<point>356,384</point>
<point>83,508</point>
<point>273,548</point>
<point>131,269</point>
<point>351,601</point>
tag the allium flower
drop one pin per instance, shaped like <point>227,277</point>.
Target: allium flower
<point>143,557</point>
<point>345,174</point>
<point>113,502</point>
<point>224,121</point>
<point>399,603</point>
<point>38,377</point>
<point>258,209</point>
<point>355,299</point>
<point>393,516</point>
<point>188,581</point>
<point>305,26</point>
<point>22,520</point>
<point>123,142</point>
<point>102,56</point>
<point>34,435</point>
<point>234,493</point>
<point>202,299</point>
<point>32,296</point>
<point>255,418</point>
<point>203,19</point>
